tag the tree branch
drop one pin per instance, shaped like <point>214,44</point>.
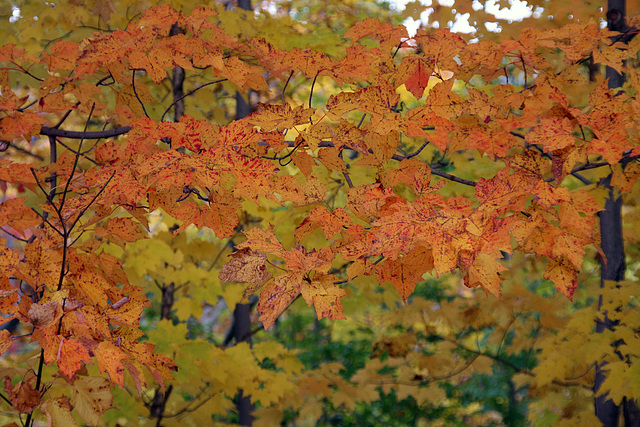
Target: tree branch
<point>110,133</point>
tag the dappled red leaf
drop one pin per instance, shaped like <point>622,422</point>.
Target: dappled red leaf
<point>109,359</point>
<point>331,222</point>
<point>484,272</point>
<point>563,275</point>
<point>246,266</point>
<point>70,357</point>
<point>277,296</point>
<point>324,296</point>
<point>15,214</point>
<point>406,271</point>
<point>64,55</point>
<point>414,72</point>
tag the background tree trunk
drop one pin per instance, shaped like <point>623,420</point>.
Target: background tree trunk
<point>241,315</point>
<point>612,243</point>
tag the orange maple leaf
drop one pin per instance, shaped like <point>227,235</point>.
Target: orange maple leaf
<point>324,296</point>
<point>277,296</point>
<point>246,266</point>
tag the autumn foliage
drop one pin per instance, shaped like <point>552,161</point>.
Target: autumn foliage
<point>408,158</point>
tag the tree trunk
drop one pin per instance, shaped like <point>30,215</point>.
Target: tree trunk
<point>612,243</point>
<point>241,315</point>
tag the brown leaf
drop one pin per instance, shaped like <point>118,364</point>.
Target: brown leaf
<point>42,315</point>
<point>23,397</point>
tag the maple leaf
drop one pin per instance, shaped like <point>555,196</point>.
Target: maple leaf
<point>388,35</point>
<point>59,412</point>
<point>563,274</point>
<point>64,56</point>
<point>406,271</point>
<point>484,272</point>
<point>22,396</point>
<point>221,215</point>
<point>104,9</point>
<point>25,124</point>
<point>17,215</point>
<point>91,396</point>
<point>331,222</point>
<point>324,296</point>
<point>300,259</point>
<point>246,266</point>
<point>121,231</point>
<point>109,359</point>
<point>263,241</point>
<point>276,117</point>
<point>277,296</point>
<point>414,73</point>
<point>412,172</point>
<point>70,356</point>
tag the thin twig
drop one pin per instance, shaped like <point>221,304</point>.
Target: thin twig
<point>453,178</point>
<point>27,152</point>
<point>285,86</point>
<point>361,120</point>
<point>133,86</point>
<point>347,177</point>
<point>312,85</point>
<point>82,212</point>
<point>75,161</point>
<point>187,94</point>
<point>77,152</point>
<point>410,155</point>
<point>16,237</point>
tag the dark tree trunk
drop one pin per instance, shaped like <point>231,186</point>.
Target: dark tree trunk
<point>612,243</point>
<point>242,333</point>
<point>241,315</point>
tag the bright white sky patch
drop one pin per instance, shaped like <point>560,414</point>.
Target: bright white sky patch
<point>517,11</point>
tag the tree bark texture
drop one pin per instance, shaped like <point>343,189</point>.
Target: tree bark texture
<point>613,266</point>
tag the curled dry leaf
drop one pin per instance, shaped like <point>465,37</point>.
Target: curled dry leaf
<point>23,397</point>
<point>71,305</point>
<point>246,266</point>
<point>42,315</point>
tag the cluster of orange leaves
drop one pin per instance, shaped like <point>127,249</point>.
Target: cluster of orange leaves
<point>82,305</point>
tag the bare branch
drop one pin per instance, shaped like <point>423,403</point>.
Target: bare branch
<point>110,133</point>
<point>410,155</point>
<point>453,178</point>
